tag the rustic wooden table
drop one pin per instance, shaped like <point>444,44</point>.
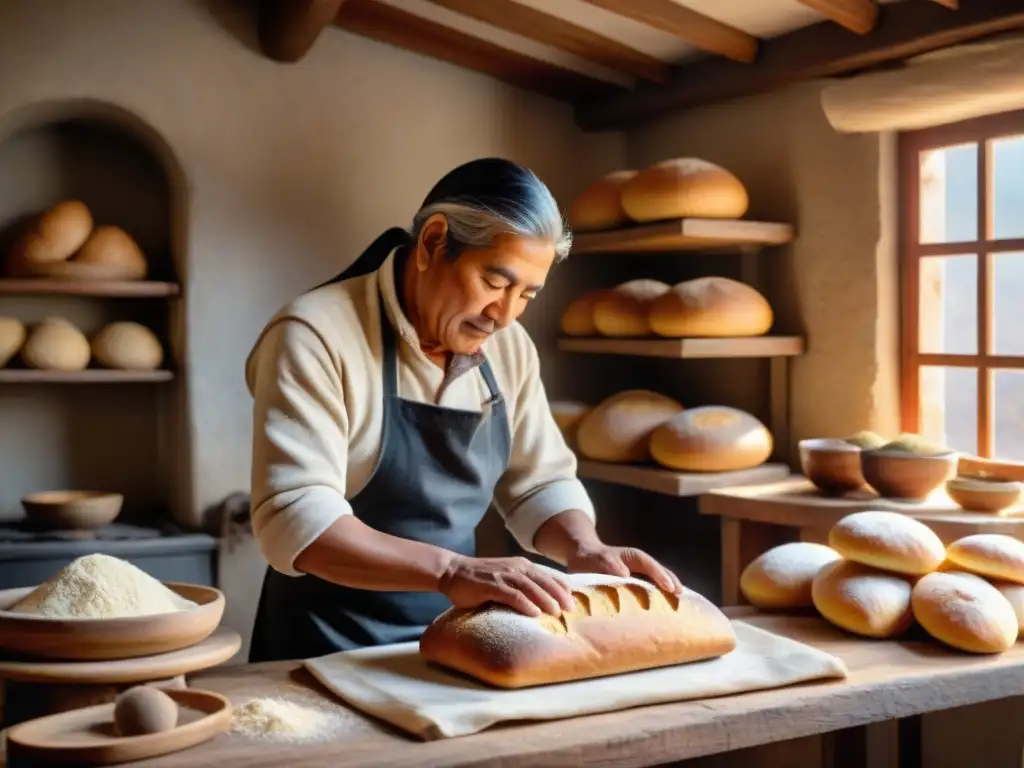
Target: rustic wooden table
<point>840,723</point>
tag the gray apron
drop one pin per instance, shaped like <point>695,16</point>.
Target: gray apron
<point>433,482</point>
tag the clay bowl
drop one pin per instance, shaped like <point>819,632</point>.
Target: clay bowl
<point>833,465</point>
<point>109,639</point>
<point>72,510</point>
<point>906,476</point>
<point>991,494</point>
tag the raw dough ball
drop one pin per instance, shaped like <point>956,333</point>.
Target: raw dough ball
<point>624,310</point>
<point>143,710</point>
<point>578,317</point>
<point>782,576</point>
<point>862,599</point>
<point>711,438</point>
<point>12,336</point>
<point>965,613</point>
<point>684,188</point>
<point>711,306</point>
<point>56,234</point>
<point>113,247</point>
<point>599,206</point>
<point>993,555</point>
<point>888,540</point>
<point>56,345</point>
<point>127,346</point>
<point>619,428</point>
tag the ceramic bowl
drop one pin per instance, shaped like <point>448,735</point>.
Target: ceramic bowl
<point>990,494</point>
<point>906,476</point>
<point>833,465</point>
<point>72,510</point>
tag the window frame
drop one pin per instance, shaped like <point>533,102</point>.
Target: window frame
<point>911,144</point>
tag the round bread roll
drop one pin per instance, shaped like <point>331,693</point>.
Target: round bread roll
<point>993,555</point>
<point>1014,593</point>
<point>56,234</point>
<point>967,614</point>
<point>782,576</point>
<point>12,336</point>
<point>624,310</point>
<point>113,247</point>
<point>578,317</point>
<point>862,599</point>
<point>711,438</point>
<point>711,306</point>
<point>127,346</point>
<point>619,428</point>
<point>684,188</point>
<point>56,345</point>
<point>888,540</point>
<point>568,414</point>
<point>599,206</point>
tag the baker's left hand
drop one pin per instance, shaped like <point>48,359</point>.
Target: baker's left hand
<point>623,561</point>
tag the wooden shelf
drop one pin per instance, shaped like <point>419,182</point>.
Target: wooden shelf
<point>88,376</point>
<point>108,288</point>
<point>678,484</point>
<point>685,235</point>
<point>749,346</point>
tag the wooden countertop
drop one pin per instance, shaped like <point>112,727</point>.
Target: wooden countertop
<point>887,680</point>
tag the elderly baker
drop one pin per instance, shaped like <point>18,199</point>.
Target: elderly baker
<point>397,402</point>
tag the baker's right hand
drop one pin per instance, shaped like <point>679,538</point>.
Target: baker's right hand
<point>512,581</point>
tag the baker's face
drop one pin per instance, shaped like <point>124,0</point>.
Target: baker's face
<point>465,300</point>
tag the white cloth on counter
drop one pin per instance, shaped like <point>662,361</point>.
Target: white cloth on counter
<point>395,684</point>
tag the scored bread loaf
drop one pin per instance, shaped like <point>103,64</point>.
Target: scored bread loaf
<point>624,310</point>
<point>684,187</point>
<point>616,625</point>
<point>888,540</point>
<point>782,576</point>
<point>619,428</point>
<point>578,316</point>
<point>710,307</point>
<point>994,555</point>
<point>711,438</point>
<point>599,206</point>
<point>964,612</point>
<point>862,599</point>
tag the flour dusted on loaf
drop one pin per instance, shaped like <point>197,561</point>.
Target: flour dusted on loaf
<point>862,599</point>
<point>888,540</point>
<point>782,576</point>
<point>101,587</point>
<point>277,719</point>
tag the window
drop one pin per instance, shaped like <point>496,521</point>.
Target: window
<point>963,285</point>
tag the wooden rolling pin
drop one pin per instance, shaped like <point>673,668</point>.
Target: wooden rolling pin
<point>975,466</point>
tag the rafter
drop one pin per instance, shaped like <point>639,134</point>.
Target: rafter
<point>857,16</point>
<point>287,29</point>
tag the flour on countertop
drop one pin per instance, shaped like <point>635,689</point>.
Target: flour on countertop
<point>278,719</point>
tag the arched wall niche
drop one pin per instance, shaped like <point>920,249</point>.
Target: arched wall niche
<point>129,437</point>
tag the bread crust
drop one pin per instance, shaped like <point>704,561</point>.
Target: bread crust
<point>888,540</point>
<point>624,311</point>
<point>993,555</point>
<point>965,613</point>
<point>617,625</point>
<point>710,307</point>
<point>599,206</point>
<point>684,187</point>
<point>862,599</point>
<point>619,428</point>
<point>711,438</point>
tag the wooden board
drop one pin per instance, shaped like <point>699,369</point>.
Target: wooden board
<point>750,346</point>
<point>88,376</point>
<point>678,484</point>
<point>684,235</point>
<point>887,680</point>
<point>110,288</point>
<point>88,736</point>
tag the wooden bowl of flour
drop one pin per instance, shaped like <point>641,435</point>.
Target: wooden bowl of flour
<point>34,636</point>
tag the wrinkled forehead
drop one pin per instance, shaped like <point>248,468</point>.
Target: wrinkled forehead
<point>520,260</point>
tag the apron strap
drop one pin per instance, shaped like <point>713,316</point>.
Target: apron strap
<point>390,355</point>
<point>488,374</point>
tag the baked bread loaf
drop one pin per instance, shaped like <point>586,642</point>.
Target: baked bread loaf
<point>116,251</point>
<point>862,599</point>
<point>888,540</point>
<point>12,336</point>
<point>55,235</point>
<point>684,187</point>
<point>993,555</point>
<point>623,311</point>
<point>56,345</point>
<point>619,428</point>
<point>578,317</point>
<point>782,576</point>
<point>127,346</point>
<point>967,614</point>
<point>710,307</point>
<point>711,438</point>
<point>1014,594</point>
<point>617,625</point>
<point>599,206</point>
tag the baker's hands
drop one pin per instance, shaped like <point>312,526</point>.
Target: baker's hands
<point>622,561</point>
<point>512,581</point>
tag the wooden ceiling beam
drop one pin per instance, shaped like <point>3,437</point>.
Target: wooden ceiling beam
<point>287,29</point>
<point>686,24</point>
<point>561,34</point>
<point>388,24</point>
<point>954,4</point>
<point>858,16</point>
<point>821,50</point>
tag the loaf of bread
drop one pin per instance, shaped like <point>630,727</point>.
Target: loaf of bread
<point>55,235</point>
<point>711,307</point>
<point>619,428</point>
<point>711,438</point>
<point>56,345</point>
<point>617,625</point>
<point>993,555</point>
<point>684,188</point>
<point>127,346</point>
<point>12,336</point>
<point>862,599</point>
<point>967,614</point>
<point>888,540</point>
<point>782,576</point>
<point>1014,593</point>
<point>623,311</point>
<point>599,206</point>
<point>114,249</point>
<point>578,317</point>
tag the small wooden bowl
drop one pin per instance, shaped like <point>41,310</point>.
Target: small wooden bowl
<point>991,494</point>
<point>72,510</point>
<point>833,465</point>
<point>905,476</point>
<point>110,639</point>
